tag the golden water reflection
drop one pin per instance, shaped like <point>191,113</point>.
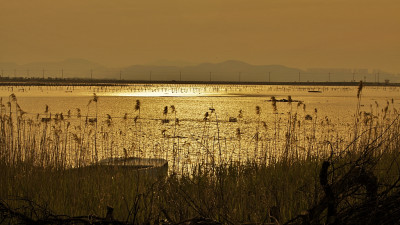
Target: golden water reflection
<point>189,124</point>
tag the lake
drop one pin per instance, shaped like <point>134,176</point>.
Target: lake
<point>192,124</point>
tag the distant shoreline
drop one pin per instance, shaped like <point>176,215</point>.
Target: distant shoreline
<point>104,82</point>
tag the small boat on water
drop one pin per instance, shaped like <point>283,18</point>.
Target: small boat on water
<point>147,165</point>
<point>314,91</point>
<point>284,100</point>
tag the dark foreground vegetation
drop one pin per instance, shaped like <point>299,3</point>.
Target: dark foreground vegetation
<point>358,189</point>
<point>356,184</point>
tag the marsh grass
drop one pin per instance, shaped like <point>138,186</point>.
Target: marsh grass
<point>228,193</point>
<point>83,191</point>
<point>51,161</point>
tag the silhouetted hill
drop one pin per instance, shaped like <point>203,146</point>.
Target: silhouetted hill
<point>176,63</point>
<point>231,70</point>
<point>224,71</point>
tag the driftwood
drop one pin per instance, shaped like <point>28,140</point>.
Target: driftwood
<point>352,193</point>
<point>373,208</point>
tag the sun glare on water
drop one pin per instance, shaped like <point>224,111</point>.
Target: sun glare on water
<point>159,94</point>
<point>167,92</point>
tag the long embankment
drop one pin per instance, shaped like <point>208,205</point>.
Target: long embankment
<point>104,82</point>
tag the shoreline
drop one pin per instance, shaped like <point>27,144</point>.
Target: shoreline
<point>104,82</point>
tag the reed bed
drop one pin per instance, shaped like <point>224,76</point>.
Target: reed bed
<point>77,138</point>
<point>51,160</point>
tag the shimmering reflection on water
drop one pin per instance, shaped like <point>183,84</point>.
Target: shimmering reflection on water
<point>188,138</point>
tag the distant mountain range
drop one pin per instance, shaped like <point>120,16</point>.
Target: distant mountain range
<point>225,71</point>
<point>231,70</point>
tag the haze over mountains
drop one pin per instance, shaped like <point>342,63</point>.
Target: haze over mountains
<point>231,70</point>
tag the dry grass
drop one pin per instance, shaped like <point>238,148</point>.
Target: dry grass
<point>46,161</point>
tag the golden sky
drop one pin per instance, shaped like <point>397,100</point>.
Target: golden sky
<point>297,33</point>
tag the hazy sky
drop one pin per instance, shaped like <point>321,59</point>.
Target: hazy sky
<point>298,33</point>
